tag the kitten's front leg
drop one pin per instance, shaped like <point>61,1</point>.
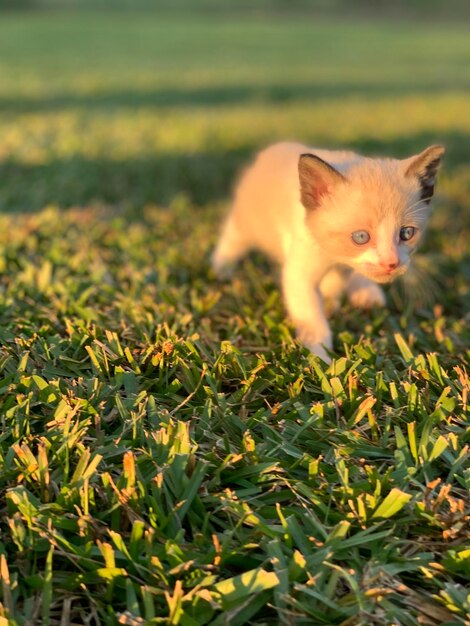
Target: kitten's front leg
<point>305,307</point>
<point>363,292</point>
<point>332,286</point>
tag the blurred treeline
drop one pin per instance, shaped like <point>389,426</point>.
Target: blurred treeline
<point>422,9</point>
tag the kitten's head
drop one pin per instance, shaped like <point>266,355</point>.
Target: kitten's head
<point>372,217</point>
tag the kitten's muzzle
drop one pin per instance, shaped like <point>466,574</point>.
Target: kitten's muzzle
<point>379,275</point>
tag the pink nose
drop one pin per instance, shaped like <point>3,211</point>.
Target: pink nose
<point>389,266</point>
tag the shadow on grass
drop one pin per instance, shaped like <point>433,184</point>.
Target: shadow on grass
<point>202,177</point>
<point>223,96</point>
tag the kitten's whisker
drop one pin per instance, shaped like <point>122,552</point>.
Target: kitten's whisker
<point>415,209</point>
<point>419,288</point>
<point>416,212</point>
<point>414,204</point>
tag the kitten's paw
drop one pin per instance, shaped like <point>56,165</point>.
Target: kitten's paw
<point>320,352</point>
<point>367,296</point>
<point>221,268</point>
<point>331,305</point>
<point>317,345</point>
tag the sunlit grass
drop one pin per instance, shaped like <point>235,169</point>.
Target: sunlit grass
<point>169,454</point>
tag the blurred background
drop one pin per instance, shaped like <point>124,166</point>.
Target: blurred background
<point>140,102</point>
<point>147,110</point>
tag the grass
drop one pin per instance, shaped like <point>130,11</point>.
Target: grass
<point>169,454</point>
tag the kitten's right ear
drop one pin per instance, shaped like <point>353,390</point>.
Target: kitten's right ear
<point>317,180</point>
<point>424,167</point>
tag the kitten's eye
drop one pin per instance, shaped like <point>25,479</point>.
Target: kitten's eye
<point>407,233</point>
<point>360,237</point>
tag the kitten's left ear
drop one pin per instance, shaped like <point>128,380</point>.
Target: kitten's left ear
<point>317,180</point>
<point>424,166</point>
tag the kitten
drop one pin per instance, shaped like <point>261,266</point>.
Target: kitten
<point>335,221</point>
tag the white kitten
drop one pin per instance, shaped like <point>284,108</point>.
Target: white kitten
<point>334,221</point>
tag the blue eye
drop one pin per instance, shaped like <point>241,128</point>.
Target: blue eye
<point>360,237</point>
<point>407,233</point>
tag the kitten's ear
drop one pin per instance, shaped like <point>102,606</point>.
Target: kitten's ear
<point>424,166</point>
<point>317,180</point>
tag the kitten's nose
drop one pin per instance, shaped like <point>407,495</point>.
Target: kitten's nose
<point>390,265</point>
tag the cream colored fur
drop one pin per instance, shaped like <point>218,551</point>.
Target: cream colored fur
<point>302,210</point>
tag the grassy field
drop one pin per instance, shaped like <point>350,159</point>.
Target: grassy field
<point>168,453</point>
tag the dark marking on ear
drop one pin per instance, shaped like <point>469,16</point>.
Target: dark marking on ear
<point>317,180</point>
<point>424,167</point>
<point>428,180</point>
